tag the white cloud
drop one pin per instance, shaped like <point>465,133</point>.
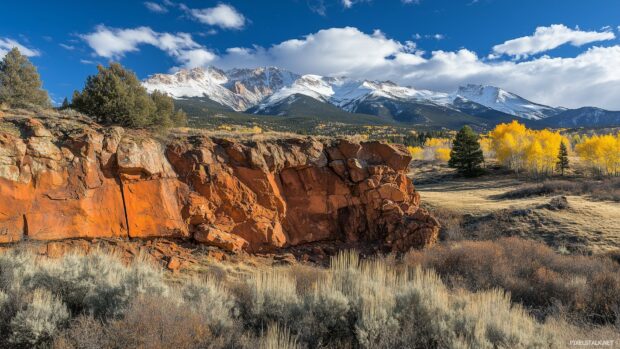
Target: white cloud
<point>548,38</point>
<point>590,78</point>
<point>67,47</point>
<point>335,51</point>
<point>7,44</point>
<point>350,3</point>
<point>437,36</point>
<point>155,7</point>
<point>223,15</point>
<point>115,43</point>
<point>196,58</point>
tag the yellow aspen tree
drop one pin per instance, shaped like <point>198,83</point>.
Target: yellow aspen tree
<point>417,153</point>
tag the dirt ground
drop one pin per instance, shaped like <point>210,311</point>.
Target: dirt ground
<point>586,225</point>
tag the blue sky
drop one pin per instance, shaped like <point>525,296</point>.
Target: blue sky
<point>555,52</point>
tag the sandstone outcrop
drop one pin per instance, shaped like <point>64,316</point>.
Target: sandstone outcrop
<point>66,178</point>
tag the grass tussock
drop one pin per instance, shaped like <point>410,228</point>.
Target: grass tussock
<point>95,301</point>
<point>606,189</point>
<point>580,288</point>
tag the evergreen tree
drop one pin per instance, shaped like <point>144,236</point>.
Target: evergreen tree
<point>179,118</point>
<point>466,155</point>
<point>115,96</point>
<point>20,84</point>
<point>65,104</point>
<point>562,163</point>
<point>164,109</point>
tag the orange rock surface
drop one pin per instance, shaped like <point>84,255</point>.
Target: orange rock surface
<point>65,178</point>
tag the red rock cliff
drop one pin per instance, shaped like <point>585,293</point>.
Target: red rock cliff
<point>64,178</point>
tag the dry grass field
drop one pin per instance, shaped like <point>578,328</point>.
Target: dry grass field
<point>481,207</point>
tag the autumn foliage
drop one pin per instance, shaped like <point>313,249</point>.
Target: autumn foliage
<point>601,153</point>
<point>522,149</point>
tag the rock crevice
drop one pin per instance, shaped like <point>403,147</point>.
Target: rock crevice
<point>62,179</point>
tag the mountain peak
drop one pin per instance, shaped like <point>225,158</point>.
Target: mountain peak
<point>243,88</point>
<point>504,101</point>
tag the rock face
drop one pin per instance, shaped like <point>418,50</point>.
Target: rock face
<point>69,178</point>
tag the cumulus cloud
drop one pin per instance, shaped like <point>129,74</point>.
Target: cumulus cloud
<point>335,51</point>
<point>590,78</point>
<point>223,15</point>
<point>7,44</point>
<point>155,7</point>
<point>548,38</point>
<point>115,43</point>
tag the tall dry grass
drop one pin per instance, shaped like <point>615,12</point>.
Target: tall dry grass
<point>96,301</point>
<point>581,288</point>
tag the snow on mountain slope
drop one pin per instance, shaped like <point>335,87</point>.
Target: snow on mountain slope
<point>238,89</point>
<point>504,101</point>
<point>347,93</point>
<point>267,88</point>
<point>257,84</point>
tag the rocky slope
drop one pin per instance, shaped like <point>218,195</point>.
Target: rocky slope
<point>65,177</point>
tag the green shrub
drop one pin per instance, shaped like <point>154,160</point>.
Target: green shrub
<point>115,96</point>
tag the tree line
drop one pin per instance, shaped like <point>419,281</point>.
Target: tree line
<point>113,96</point>
<point>523,150</point>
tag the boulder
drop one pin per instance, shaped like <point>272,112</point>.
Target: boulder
<point>212,236</point>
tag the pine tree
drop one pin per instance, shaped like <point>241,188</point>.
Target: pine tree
<point>179,118</point>
<point>65,104</point>
<point>20,84</point>
<point>466,155</point>
<point>562,163</point>
<point>115,96</point>
<point>164,109</point>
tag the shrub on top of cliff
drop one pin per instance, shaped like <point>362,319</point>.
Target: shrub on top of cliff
<point>20,84</point>
<point>115,96</point>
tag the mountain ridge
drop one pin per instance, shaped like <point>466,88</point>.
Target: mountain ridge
<point>262,91</point>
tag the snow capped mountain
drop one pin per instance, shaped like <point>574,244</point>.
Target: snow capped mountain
<point>506,102</point>
<point>238,89</point>
<point>347,93</point>
<point>269,90</point>
<point>258,84</point>
<point>261,88</point>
